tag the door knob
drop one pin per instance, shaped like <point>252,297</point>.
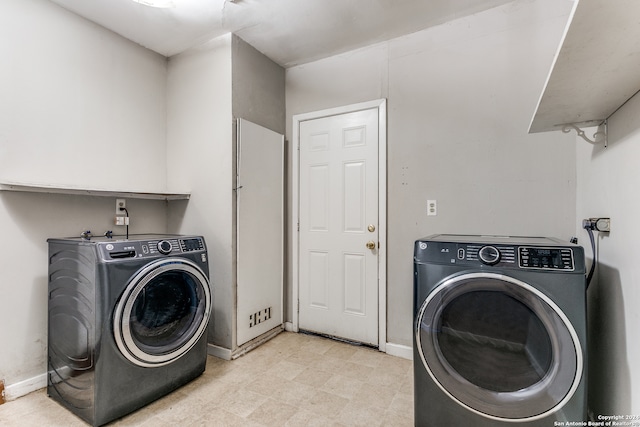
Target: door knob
<point>371,244</point>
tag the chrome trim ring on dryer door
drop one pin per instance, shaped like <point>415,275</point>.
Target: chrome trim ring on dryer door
<point>522,403</point>
<point>122,321</point>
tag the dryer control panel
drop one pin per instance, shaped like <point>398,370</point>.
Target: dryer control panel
<point>497,254</point>
<point>545,258</point>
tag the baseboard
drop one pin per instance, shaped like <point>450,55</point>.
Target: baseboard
<point>256,342</point>
<point>288,326</point>
<point>14,391</point>
<point>220,352</point>
<point>398,350</point>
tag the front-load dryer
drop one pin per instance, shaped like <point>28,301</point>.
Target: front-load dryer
<point>499,331</point>
<point>127,321</point>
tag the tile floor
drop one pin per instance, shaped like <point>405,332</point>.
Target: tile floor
<point>292,380</point>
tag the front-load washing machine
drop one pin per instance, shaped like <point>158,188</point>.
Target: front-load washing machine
<point>500,331</point>
<point>127,321</point>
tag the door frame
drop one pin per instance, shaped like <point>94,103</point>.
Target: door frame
<point>381,106</point>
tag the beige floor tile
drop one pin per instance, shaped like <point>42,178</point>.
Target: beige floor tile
<point>313,377</point>
<point>242,401</point>
<point>273,413</point>
<point>304,418</point>
<point>326,404</point>
<point>382,378</point>
<point>222,418</point>
<point>304,357</point>
<point>356,414</point>
<point>343,386</point>
<point>293,380</point>
<point>287,370</point>
<point>379,397</point>
<point>395,365</point>
<point>401,405</point>
<point>398,420</point>
<point>296,394</point>
<point>366,356</point>
<point>318,345</point>
<point>341,351</point>
<point>355,370</point>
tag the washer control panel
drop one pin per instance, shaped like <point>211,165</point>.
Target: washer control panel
<point>152,247</point>
<point>489,255</point>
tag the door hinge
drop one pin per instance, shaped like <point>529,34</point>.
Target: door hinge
<point>298,226</point>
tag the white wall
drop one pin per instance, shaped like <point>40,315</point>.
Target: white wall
<point>208,87</point>
<point>200,159</point>
<point>460,98</point>
<point>608,183</point>
<point>79,105</point>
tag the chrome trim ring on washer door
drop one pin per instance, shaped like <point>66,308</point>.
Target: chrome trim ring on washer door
<point>134,299</point>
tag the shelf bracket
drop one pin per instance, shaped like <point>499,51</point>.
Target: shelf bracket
<point>599,136</point>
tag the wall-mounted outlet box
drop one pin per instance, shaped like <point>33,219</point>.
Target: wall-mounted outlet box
<point>432,208</point>
<point>121,204</point>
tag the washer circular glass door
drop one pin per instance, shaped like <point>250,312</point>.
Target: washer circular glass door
<point>163,312</point>
<point>499,347</point>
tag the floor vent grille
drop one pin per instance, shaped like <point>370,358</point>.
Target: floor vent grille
<point>259,317</point>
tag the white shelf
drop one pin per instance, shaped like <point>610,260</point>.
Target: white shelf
<point>596,68</point>
<point>43,188</point>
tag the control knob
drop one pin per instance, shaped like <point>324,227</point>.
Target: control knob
<point>489,255</point>
<point>164,247</point>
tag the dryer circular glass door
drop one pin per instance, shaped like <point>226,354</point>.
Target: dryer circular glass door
<point>498,346</point>
<point>163,312</point>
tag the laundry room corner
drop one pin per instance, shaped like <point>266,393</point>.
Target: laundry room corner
<point>607,183</point>
<point>210,87</point>
<point>30,219</point>
<point>66,140</point>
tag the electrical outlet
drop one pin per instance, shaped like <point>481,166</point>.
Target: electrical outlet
<point>602,224</point>
<point>120,205</point>
<point>432,208</point>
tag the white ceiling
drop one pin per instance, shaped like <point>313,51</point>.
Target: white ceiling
<point>290,32</point>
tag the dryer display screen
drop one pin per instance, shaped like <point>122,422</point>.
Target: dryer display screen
<point>546,258</point>
<point>191,245</point>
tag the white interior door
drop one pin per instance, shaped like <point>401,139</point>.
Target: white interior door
<point>338,222</point>
<point>260,230</point>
